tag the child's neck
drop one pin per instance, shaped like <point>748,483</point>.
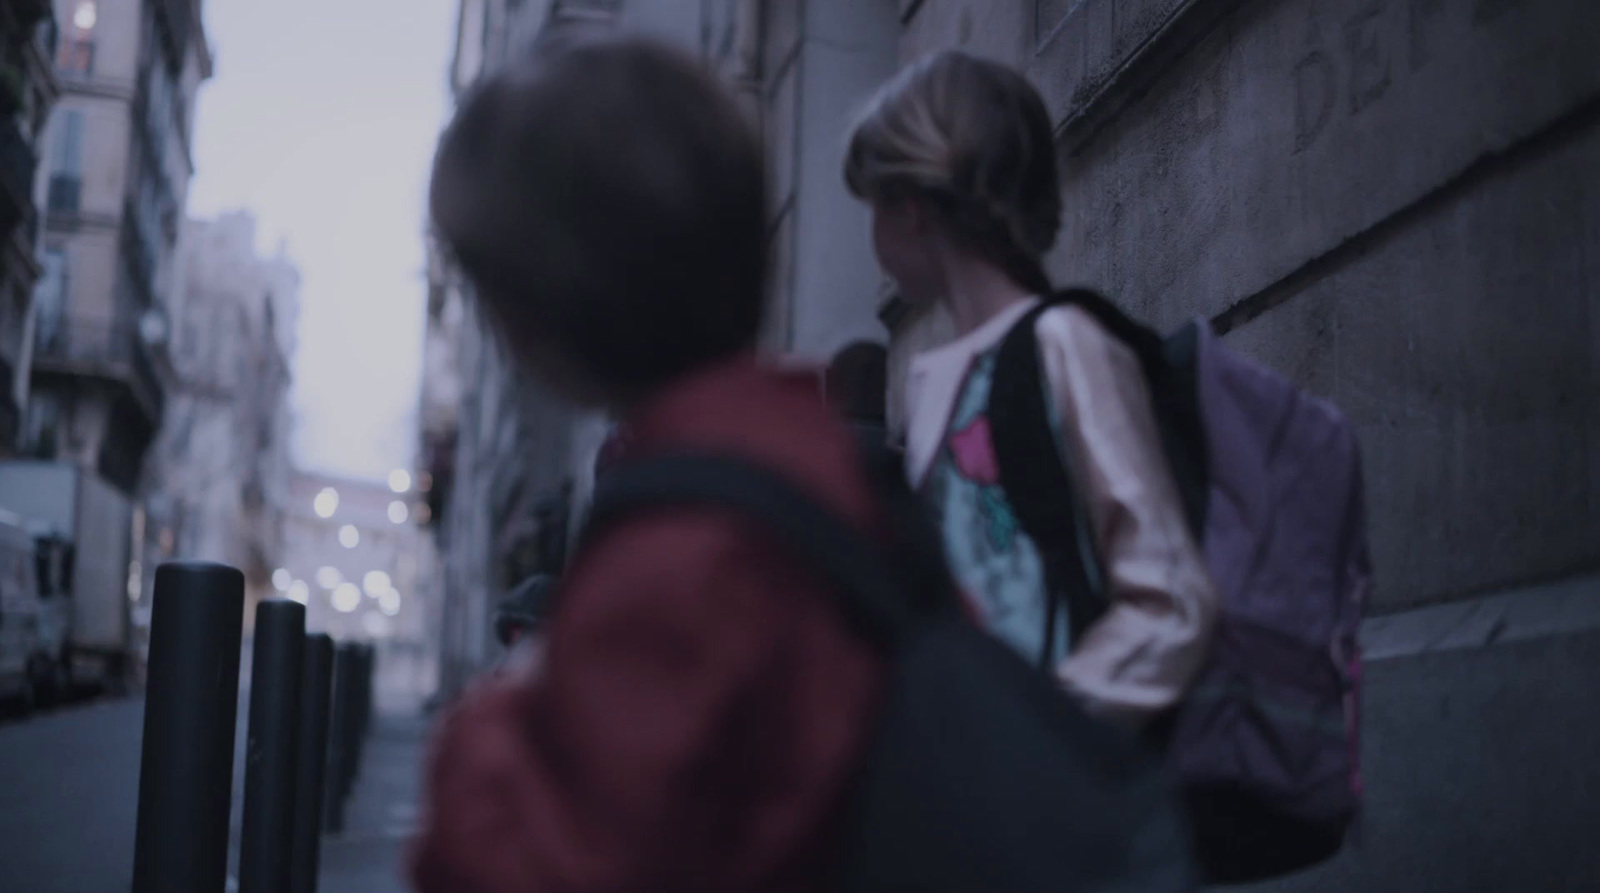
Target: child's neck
<point>976,291</point>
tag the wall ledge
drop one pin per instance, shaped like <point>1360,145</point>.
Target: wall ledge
<point>1561,607</point>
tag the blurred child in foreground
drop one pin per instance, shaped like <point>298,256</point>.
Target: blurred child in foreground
<point>701,704</point>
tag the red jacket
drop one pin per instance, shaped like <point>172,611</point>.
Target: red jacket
<point>701,705</point>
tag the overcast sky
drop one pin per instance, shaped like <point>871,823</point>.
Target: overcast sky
<point>321,118</point>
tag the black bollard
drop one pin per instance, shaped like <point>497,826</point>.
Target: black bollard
<point>269,777</point>
<point>339,737</point>
<point>311,761</point>
<point>361,707</point>
<point>369,665</point>
<point>350,723</point>
<point>191,707</point>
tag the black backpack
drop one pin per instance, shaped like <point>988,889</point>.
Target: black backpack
<point>982,775</point>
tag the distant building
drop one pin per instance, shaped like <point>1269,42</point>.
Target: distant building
<point>119,162</point>
<point>218,476</point>
<point>355,556</point>
<point>28,90</point>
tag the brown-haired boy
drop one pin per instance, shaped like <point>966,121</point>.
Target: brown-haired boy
<point>701,705</point>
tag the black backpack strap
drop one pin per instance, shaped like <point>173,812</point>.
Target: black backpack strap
<point>1037,483</point>
<point>873,590</point>
<point>1171,370</point>
<point>1036,474</point>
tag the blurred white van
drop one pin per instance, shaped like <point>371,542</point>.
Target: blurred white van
<point>33,622</point>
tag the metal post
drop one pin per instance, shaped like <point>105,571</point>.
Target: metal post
<point>191,708</point>
<point>270,776</point>
<point>360,709</point>
<point>350,725</point>
<point>339,735</point>
<point>369,663</point>
<point>311,761</point>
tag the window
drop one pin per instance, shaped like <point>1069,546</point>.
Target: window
<point>150,212</point>
<point>158,93</point>
<point>50,298</point>
<point>41,571</point>
<point>44,416</point>
<point>157,207</point>
<point>76,53</point>
<point>66,166</point>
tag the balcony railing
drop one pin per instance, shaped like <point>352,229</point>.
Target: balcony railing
<point>24,14</point>
<point>105,350</point>
<point>176,19</point>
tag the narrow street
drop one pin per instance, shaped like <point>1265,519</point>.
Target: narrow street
<point>69,784</point>
<point>382,812</point>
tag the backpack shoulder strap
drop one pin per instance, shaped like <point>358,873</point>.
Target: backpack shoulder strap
<point>1035,477</point>
<point>1171,369</point>
<point>870,592</point>
<point>1170,366</point>
<point>1036,474</point>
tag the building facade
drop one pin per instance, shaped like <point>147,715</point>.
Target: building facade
<point>1393,202</point>
<point>512,465</point>
<point>501,455</point>
<point>1382,200</point>
<point>28,91</point>
<point>218,475</point>
<point>119,162</point>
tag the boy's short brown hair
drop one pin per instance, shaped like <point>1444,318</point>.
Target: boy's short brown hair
<point>606,197</point>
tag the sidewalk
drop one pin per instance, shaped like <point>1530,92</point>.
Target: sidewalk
<point>382,813</point>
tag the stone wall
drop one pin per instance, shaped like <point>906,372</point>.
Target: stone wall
<point>819,62</point>
<point>1392,201</point>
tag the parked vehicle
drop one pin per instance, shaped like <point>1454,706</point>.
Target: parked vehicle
<point>80,528</point>
<point>32,627</point>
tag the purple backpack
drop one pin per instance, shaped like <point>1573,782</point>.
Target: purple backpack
<point>1266,743</point>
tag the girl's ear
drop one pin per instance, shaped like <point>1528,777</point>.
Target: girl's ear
<point>916,214</point>
<point>924,217</point>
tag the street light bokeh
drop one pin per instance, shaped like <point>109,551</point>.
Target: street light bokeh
<point>86,16</point>
<point>349,536</point>
<point>399,480</point>
<point>347,597</point>
<point>326,503</point>
<point>376,583</point>
<point>398,512</point>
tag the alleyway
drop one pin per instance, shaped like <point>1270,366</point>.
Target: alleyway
<point>69,785</point>
<point>382,812</point>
